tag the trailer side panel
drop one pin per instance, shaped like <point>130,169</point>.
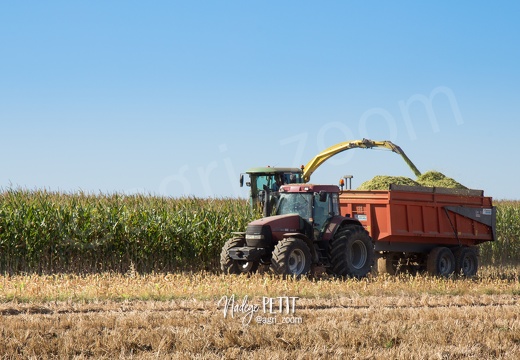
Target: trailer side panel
<point>418,218</point>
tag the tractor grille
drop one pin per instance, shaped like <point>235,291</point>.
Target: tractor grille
<point>259,236</point>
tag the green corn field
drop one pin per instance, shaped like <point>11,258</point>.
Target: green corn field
<point>50,232</point>
<point>506,250</point>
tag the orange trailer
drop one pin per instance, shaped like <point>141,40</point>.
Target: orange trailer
<point>433,229</point>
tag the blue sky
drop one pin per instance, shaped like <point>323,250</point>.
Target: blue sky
<point>178,98</point>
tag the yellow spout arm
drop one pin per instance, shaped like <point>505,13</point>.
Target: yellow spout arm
<point>365,143</point>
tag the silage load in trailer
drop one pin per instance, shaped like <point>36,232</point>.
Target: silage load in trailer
<point>382,182</point>
<point>437,179</point>
<point>428,179</point>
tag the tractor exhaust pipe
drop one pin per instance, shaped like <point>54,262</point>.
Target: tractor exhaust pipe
<point>267,201</point>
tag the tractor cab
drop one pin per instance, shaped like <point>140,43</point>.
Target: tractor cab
<point>315,204</point>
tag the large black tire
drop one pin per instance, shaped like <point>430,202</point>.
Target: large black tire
<point>291,256</point>
<point>466,261</point>
<point>351,252</point>
<point>389,264</point>
<point>440,262</point>
<point>231,266</point>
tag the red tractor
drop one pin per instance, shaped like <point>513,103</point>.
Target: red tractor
<point>306,230</point>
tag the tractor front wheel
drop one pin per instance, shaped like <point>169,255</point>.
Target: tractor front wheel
<point>232,266</point>
<point>291,256</point>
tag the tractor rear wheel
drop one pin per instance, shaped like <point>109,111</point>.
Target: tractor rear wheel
<point>232,266</point>
<point>466,261</point>
<point>291,256</point>
<point>351,252</point>
<point>440,262</point>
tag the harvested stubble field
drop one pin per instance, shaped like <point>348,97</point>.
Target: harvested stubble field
<point>181,316</point>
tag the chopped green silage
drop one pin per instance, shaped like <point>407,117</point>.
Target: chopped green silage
<point>382,182</point>
<point>428,179</point>
<point>437,179</point>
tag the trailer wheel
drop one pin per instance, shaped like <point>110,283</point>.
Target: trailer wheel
<point>291,256</point>
<point>231,266</point>
<point>351,252</point>
<point>466,262</point>
<point>389,264</point>
<point>440,262</point>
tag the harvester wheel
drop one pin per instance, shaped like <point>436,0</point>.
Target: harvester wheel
<point>291,256</point>
<point>466,261</point>
<point>389,264</point>
<point>441,262</point>
<point>351,252</point>
<point>231,266</point>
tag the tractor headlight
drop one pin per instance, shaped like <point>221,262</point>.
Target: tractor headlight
<point>255,236</point>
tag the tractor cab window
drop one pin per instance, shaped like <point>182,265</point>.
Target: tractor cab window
<point>322,208</point>
<point>292,178</point>
<point>335,203</point>
<point>273,182</point>
<point>261,181</point>
<point>295,203</point>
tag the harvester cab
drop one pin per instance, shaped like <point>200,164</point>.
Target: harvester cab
<point>264,183</point>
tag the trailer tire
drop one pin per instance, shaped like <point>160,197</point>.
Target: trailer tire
<point>291,256</point>
<point>440,262</point>
<point>389,264</point>
<point>351,252</point>
<point>231,266</point>
<point>466,261</point>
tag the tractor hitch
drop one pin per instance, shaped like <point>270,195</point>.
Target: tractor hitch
<point>246,253</point>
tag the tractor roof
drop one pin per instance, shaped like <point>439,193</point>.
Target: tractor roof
<point>272,170</point>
